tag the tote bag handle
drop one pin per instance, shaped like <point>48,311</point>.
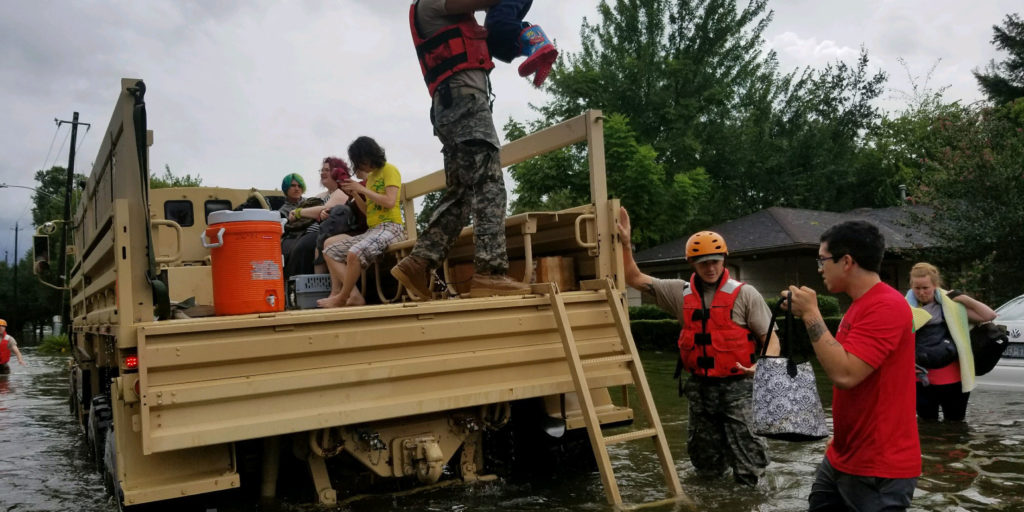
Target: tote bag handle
<point>785,343</point>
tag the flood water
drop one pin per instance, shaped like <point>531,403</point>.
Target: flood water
<point>972,467</point>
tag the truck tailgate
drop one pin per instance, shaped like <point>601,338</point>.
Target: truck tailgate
<point>215,380</point>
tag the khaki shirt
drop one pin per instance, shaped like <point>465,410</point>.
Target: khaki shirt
<point>749,311</point>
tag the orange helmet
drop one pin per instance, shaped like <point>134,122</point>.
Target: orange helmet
<point>705,243</point>
<point>3,323</point>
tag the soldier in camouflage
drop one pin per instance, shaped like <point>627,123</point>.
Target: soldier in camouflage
<point>461,115</point>
<point>723,321</point>
<point>472,169</point>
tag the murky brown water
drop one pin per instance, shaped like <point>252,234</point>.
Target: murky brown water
<point>973,467</point>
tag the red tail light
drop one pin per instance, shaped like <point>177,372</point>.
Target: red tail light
<point>131,362</point>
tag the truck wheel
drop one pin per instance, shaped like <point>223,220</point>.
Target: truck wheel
<point>110,481</point>
<point>100,418</point>
<point>72,397</point>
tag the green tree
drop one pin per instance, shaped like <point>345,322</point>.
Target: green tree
<point>168,180</point>
<point>426,211</point>
<point>1003,82</point>
<point>48,206</point>
<point>973,179</point>
<point>704,100</point>
<point>561,180</point>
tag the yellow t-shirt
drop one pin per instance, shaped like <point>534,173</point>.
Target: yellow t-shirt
<point>378,181</point>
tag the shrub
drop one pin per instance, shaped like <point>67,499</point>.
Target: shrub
<point>655,334</point>
<point>55,345</point>
<point>648,312</point>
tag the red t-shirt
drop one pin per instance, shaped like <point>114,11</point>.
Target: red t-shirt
<point>875,422</point>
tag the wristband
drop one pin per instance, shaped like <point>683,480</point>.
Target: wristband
<point>298,212</point>
<point>952,294</point>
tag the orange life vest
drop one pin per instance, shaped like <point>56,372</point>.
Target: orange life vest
<point>5,351</point>
<point>710,343</point>
<point>454,48</point>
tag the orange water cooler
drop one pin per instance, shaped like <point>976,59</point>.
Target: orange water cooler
<point>245,256</point>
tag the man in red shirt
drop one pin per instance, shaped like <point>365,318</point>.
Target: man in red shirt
<point>874,459</point>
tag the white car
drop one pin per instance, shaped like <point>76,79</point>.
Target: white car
<point>1009,372</point>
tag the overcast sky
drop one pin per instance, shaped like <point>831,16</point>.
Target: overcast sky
<point>242,93</point>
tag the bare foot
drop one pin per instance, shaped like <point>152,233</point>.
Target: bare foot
<point>334,301</point>
<point>355,300</point>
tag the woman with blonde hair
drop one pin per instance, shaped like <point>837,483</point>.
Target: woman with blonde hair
<point>943,356</point>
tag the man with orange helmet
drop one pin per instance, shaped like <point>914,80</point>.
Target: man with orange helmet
<point>723,322</point>
<point>7,345</point>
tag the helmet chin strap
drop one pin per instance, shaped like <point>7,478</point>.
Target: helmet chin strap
<point>701,284</point>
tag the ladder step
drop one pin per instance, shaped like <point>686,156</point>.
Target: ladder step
<point>630,436</point>
<point>594,361</point>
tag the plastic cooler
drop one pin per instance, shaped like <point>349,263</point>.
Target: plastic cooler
<point>245,256</point>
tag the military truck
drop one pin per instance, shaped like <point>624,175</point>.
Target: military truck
<point>172,401</point>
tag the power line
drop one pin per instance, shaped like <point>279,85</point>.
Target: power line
<point>48,151</point>
<point>87,127</point>
<point>66,135</point>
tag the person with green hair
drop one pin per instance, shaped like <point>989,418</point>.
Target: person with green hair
<point>293,180</point>
<point>293,187</point>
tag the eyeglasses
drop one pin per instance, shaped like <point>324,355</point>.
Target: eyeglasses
<point>835,257</point>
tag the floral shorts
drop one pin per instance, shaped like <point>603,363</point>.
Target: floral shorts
<point>368,245</point>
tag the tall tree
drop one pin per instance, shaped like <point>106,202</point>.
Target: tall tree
<point>561,180</point>
<point>973,178</point>
<point>1003,81</point>
<point>706,101</point>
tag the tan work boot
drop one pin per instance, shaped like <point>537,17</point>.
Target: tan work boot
<point>486,285</point>
<point>413,272</point>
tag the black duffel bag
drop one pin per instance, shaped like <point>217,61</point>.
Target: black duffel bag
<point>988,342</point>
<point>933,347</point>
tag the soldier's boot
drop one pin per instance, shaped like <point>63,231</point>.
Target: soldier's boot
<point>414,273</point>
<point>486,285</point>
<point>540,53</point>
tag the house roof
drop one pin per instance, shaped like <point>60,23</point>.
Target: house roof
<point>777,229</point>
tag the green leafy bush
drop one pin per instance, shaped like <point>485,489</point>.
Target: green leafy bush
<point>648,312</point>
<point>55,345</point>
<point>655,334</point>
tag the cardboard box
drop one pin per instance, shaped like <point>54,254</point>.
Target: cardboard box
<point>552,269</point>
<point>559,270</point>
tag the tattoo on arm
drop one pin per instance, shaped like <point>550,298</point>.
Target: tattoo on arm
<point>816,330</point>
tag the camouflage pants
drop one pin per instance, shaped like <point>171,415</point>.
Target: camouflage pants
<point>721,431</point>
<point>475,186</point>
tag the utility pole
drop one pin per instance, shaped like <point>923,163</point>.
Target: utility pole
<point>65,305</point>
<point>17,305</point>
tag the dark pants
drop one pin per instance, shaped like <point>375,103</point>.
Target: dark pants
<point>834,490</point>
<point>504,23</point>
<point>948,397</point>
<point>4,369</point>
<point>300,260</point>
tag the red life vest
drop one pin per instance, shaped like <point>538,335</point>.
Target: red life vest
<point>454,48</point>
<point>710,343</point>
<point>5,351</point>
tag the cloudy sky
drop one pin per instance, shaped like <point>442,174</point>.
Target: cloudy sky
<point>241,93</point>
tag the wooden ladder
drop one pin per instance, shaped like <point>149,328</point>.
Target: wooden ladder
<point>577,366</point>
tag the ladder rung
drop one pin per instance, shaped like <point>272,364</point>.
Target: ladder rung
<point>631,436</point>
<point>623,358</point>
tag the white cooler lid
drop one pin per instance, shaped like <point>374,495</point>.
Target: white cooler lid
<point>247,214</point>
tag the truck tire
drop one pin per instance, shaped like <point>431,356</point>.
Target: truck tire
<point>100,419</point>
<point>110,481</point>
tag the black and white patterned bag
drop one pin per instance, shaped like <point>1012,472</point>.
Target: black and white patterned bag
<point>786,401</point>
